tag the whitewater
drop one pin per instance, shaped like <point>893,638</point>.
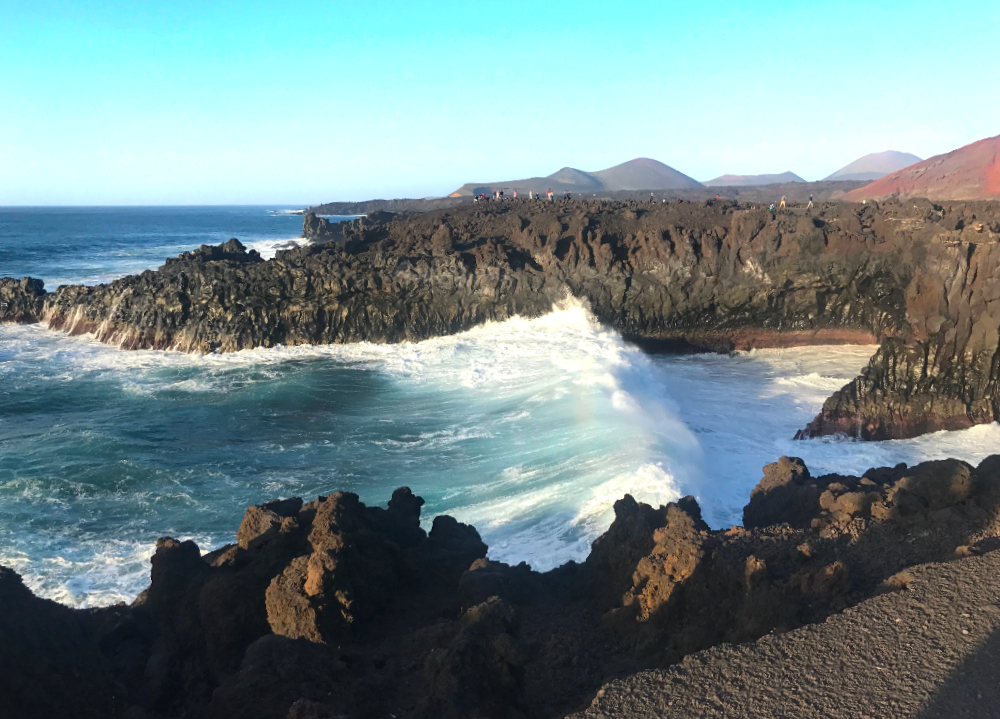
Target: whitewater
<point>529,429</point>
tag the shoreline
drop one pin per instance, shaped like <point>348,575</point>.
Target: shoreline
<point>339,585</point>
<point>717,275</point>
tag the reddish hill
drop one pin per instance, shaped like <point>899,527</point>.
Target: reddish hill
<point>968,173</point>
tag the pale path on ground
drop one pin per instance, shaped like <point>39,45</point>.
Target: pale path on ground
<point>931,650</point>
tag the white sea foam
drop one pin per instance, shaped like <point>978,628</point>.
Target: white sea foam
<point>528,429</point>
<point>268,248</point>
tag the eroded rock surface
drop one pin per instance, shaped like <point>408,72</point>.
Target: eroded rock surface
<point>922,279</point>
<point>331,608</point>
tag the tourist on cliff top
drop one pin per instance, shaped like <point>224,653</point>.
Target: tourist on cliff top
<point>782,205</point>
<point>548,195</point>
<point>809,206</point>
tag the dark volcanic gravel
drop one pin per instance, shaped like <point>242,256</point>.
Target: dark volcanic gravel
<point>931,650</point>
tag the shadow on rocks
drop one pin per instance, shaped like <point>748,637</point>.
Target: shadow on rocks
<point>331,608</point>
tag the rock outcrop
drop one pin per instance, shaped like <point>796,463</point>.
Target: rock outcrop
<point>21,301</point>
<point>921,278</point>
<point>331,608</point>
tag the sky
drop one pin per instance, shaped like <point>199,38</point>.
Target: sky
<point>296,103</point>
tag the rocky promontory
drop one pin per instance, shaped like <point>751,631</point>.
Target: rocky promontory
<point>921,279</point>
<point>331,608</point>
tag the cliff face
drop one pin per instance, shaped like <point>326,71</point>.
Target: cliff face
<point>331,608</point>
<point>920,278</point>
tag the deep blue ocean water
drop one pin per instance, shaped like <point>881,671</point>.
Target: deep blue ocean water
<point>529,429</point>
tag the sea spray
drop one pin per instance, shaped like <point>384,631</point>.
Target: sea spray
<point>529,429</point>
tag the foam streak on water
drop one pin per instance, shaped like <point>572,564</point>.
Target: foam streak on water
<point>745,409</point>
<point>530,429</point>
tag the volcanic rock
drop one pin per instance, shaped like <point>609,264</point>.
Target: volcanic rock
<point>331,608</point>
<point>21,301</point>
<point>721,276</point>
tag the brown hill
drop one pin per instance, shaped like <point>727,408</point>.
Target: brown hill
<point>968,173</point>
<point>639,174</point>
<point>753,180</point>
<point>875,165</point>
<point>643,173</point>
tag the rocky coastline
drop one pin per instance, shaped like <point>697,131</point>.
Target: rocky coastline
<point>921,279</point>
<point>330,608</point>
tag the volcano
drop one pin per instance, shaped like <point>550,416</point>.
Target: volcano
<point>641,173</point>
<point>874,166</point>
<point>753,180</point>
<point>968,173</point>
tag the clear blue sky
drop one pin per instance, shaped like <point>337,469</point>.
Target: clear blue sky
<point>261,102</point>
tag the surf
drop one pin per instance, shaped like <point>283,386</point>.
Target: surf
<point>530,429</point>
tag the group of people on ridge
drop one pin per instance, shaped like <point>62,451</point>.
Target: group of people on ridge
<point>498,196</point>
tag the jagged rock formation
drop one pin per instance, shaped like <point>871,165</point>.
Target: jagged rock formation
<point>365,207</point>
<point>921,278</point>
<point>330,608</point>
<point>821,191</point>
<point>21,301</point>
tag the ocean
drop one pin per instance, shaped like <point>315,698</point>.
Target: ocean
<point>530,429</point>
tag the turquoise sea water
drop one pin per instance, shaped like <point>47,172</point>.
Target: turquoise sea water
<point>530,429</point>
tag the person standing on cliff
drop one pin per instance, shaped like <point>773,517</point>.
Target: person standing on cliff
<point>809,206</point>
<point>548,194</point>
<point>782,205</point>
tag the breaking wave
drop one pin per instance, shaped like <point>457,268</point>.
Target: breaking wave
<point>529,429</point>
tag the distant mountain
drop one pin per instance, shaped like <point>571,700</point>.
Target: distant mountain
<point>644,174</point>
<point>576,178</point>
<point>639,174</point>
<point>968,173</point>
<point>875,165</point>
<point>752,180</point>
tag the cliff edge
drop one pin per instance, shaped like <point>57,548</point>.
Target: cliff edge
<point>331,608</point>
<point>920,278</point>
